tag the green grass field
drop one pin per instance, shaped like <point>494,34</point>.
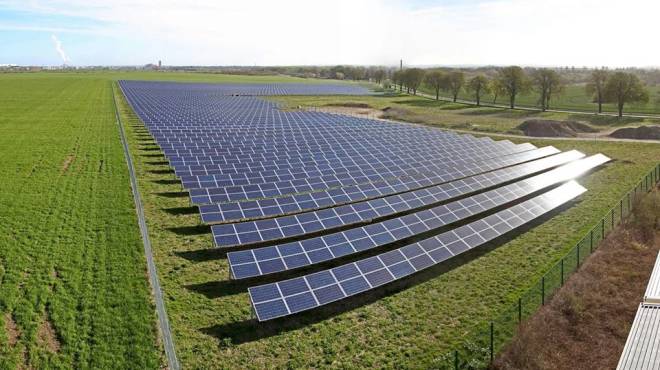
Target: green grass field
<point>73,285</point>
<point>459,116</point>
<point>73,289</point>
<point>402,326</point>
<point>574,97</point>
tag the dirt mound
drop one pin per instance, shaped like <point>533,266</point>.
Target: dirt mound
<point>551,128</point>
<point>350,105</point>
<point>640,133</point>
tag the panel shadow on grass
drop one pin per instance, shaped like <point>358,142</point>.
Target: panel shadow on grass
<point>176,211</point>
<point>161,172</point>
<point>250,329</point>
<point>166,182</point>
<point>190,230</point>
<point>173,194</point>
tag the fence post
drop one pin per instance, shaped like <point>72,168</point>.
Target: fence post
<point>492,329</point>
<point>577,250</point>
<point>591,241</point>
<point>562,271</point>
<point>543,291</point>
<point>456,360</point>
<point>602,228</point>
<point>612,228</point>
<point>621,211</point>
<point>519,310</point>
<point>629,204</point>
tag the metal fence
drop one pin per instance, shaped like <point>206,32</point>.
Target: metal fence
<point>478,351</point>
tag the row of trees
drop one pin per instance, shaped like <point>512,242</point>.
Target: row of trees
<point>619,87</point>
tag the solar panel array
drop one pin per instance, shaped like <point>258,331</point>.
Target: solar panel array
<point>642,347</point>
<point>290,189</point>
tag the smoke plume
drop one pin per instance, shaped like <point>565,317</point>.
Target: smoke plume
<point>60,50</point>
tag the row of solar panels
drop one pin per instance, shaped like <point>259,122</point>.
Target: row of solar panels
<point>218,90</point>
<point>642,348</point>
<point>408,197</point>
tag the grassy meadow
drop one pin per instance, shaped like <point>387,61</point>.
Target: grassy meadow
<point>574,97</point>
<point>409,325</point>
<point>73,286</point>
<point>458,116</point>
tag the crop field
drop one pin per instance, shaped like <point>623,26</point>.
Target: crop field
<point>455,115</point>
<point>401,326</point>
<point>73,289</point>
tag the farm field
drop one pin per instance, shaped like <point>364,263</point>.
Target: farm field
<point>73,286</point>
<point>415,326</point>
<point>455,115</point>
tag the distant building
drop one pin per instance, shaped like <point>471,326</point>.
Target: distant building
<point>160,64</point>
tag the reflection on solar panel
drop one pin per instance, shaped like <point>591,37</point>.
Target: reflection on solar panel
<point>228,235</point>
<point>308,187</point>
<point>268,260</point>
<point>323,287</point>
<point>642,349</point>
<point>321,199</point>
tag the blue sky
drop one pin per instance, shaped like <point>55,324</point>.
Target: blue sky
<point>286,32</point>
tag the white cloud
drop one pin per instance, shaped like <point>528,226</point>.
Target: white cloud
<point>530,32</point>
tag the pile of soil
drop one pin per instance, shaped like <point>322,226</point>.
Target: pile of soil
<point>350,105</point>
<point>640,133</point>
<point>551,128</point>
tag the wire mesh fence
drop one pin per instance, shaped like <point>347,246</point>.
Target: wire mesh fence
<point>479,350</point>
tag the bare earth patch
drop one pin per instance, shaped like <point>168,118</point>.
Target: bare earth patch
<point>67,162</point>
<point>11,329</point>
<point>552,128</point>
<point>586,324</point>
<point>47,337</point>
<point>640,133</point>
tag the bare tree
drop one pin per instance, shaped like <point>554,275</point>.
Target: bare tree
<point>514,82</point>
<point>596,85</point>
<point>397,78</point>
<point>479,85</point>
<point>548,83</point>
<point>622,88</point>
<point>435,80</point>
<point>454,82</point>
<point>378,75</point>
<point>413,78</point>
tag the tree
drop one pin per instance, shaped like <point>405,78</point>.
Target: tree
<point>397,78</point>
<point>435,80</point>
<point>547,82</point>
<point>622,88</point>
<point>413,77</point>
<point>378,75</point>
<point>514,81</point>
<point>454,82</point>
<point>496,88</point>
<point>479,85</point>
<point>596,85</point>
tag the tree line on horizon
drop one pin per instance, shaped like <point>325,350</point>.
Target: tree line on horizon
<point>618,87</point>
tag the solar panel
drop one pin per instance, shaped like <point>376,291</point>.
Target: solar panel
<point>227,235</point>
<point>234,211</point>
<point>283,257</point>
<point>303,293</point>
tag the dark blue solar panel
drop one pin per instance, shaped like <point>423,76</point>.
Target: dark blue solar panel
<point>344,243</point>
<point>431,251</point>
